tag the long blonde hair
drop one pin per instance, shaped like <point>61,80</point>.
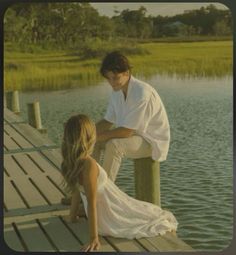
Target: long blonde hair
<point>78,142</point>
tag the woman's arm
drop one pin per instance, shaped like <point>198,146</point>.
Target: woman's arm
<point>90,174</point>
<point>74,207</point>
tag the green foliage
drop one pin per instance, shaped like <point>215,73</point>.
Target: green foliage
<point>58,45</point>
<point>57,70</point>
<point>97,48</point>
<point>71,25</point>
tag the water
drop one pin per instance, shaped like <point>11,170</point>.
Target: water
<point>197,178</point>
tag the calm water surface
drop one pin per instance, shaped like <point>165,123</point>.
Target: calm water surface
<point>197,178</point>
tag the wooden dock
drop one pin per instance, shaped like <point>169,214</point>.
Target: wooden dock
<point>33,214</point>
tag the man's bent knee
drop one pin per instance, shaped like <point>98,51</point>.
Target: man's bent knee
<point>114,145</point>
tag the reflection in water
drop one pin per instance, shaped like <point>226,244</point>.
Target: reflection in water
<point>196,179</point>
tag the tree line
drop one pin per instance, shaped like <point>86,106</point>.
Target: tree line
<point>73,25</point>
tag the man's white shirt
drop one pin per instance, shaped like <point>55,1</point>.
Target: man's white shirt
<point>144,112</point>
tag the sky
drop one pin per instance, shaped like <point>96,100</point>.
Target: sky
<point>154,9</point>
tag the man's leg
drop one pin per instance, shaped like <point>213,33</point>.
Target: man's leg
<point>98,151</point>
<point>116,149</point>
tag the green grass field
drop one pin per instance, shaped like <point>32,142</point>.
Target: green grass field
<point>59,70</point>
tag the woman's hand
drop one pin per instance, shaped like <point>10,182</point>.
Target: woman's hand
<point>94,245</point>
<point>70,219</point>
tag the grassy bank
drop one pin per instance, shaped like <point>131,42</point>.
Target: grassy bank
<point>57,70</point>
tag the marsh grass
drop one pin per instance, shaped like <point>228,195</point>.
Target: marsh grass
<point>59,70</point>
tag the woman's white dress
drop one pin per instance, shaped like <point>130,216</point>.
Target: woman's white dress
<point>120,215</point>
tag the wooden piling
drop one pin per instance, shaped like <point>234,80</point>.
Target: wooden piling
<point>12,101</point>
<point>147,180</point>
<point>34,116</point>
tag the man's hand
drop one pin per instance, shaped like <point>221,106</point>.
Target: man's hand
<point>120,132</point>
<point>103,125</point>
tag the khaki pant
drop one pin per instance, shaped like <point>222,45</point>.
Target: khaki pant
<point>115,149</point>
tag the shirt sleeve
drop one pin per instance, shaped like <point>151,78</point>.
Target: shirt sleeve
<point>110,114</point>
<point>138,116</point>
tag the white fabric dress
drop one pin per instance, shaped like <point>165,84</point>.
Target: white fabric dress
<point>120,215</point>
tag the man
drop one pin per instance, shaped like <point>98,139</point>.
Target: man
<point>135,108</point>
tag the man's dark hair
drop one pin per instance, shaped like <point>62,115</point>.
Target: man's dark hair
<point>114,62</point>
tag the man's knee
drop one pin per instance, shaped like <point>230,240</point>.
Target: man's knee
<point>114,146</point>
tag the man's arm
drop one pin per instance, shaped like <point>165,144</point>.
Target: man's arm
<point>102,126</point>
<point>120,132</point>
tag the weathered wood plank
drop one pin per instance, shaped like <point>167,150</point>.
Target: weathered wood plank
<point>40,179</point>
<point>80,229</point>
<point>9,144</point>
<point>34,237</point>
<point>177,242</point>
<point>60,231</point>
<point>25,187</point>
<point>60,235</point>
<point>11,197</point>
<point>23,143</point>
<point>169,242</point>
<point>11,238</point>
<point>35,210</point>
<point>45,165</point>
<point>125,245</point>
<point>32,135</point>
<point>146,244</point>
<point>9,116</point>
<point>30,217</point>
<point>160,243</point>
<point>53,156</point>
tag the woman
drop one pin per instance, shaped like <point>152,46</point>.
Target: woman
<point>110,211</point>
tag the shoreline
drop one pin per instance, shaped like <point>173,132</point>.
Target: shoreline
<point>60,70</point>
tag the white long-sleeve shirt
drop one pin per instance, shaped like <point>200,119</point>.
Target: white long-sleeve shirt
<point>144,112</point>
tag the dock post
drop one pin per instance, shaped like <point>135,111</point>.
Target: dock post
<point>34,116</point>
<point>147,180</point>
<point>12,101</point>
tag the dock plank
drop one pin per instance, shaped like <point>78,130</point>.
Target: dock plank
<point>39,242</point>
<point>177,243</point>
<point>30,194</point>
<point>80,229</point>
<point>169,242</point>
<point>147,245</point>
<point>11,239</point>
<point>40,179</point>
<point>10,117</point>
<point>125,245</point>
<point>64,236</point>
<point>54,156</point>
<point>60,235</point>
<point>9,144</point>
<point>11,197</point>
<point>31,134</point>
<point>49,168</point>
<point>20,140</point>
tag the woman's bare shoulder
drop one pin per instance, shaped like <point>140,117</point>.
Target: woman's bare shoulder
<point>90,165</point>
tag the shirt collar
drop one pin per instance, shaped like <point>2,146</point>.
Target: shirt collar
<point>131,83</point>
